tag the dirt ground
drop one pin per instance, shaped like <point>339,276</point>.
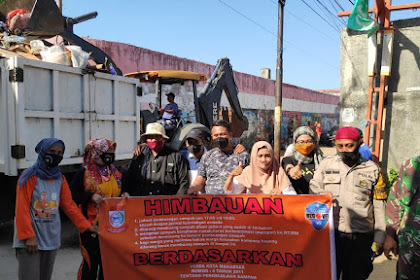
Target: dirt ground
<point>69,257</point>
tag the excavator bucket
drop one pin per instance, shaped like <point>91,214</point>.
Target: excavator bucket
<point>46,19</point>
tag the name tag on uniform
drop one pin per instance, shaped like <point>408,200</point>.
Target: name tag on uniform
<point>366,175</point>
<point>332,172</point>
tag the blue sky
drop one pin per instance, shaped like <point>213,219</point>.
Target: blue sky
<point>206,30</point>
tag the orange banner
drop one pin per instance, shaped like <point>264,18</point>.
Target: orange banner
<point>218,237</point>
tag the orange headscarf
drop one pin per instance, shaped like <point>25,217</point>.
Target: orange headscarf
<point>258,180</point>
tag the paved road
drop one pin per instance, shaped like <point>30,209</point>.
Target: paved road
<point>69,257</point>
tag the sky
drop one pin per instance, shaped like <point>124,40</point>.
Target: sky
<point>245,31</point>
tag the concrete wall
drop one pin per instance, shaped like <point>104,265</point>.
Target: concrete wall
<point>401,131</point>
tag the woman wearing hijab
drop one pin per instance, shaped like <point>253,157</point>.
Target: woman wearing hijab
<point>263,175</point>
<point>41,189</point>
<point>303,162</point>
<point>97,179</point>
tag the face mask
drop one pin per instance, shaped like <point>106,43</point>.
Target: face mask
<point>305,149</point>
<point>155,146</point>
<point>52,160</point>
<point>108,158</point>
<point>221,142</point>
<point>195,149</point>
<point>349,156</point>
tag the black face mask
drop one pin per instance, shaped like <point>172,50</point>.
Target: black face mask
<point>349,156</point>
<point>195,149</point>
<point>52,160</point>
<point>221,142</point>
<point>108,158</point>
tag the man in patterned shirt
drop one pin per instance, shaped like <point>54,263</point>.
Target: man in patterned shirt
<point>216,164</point>
<point>403,221</point>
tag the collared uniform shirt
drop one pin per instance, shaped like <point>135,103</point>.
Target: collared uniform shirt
<point>355,209</point>
<point>216,166</point>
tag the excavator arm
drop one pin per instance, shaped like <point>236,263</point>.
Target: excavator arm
<point>209,100</point>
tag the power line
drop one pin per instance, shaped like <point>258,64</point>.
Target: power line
<point>310,7</point>
<point>327,13</point>
<point>330,13</point>
<point>308,24</point>
<point>337,8</point>
<point>253,21</point>
<point>339,5</point>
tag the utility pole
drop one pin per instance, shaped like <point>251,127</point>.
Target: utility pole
<point>279,82</point>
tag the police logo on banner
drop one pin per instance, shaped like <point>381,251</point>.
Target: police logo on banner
<point>318,214</point>
<point>116,220</point>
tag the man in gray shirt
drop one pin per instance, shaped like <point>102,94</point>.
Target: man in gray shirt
<point>216,164</point>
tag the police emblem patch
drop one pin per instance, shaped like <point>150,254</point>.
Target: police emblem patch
<point>363,183</point>
<point>318,214</point>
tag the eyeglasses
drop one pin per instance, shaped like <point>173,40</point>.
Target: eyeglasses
<point>305,142</point>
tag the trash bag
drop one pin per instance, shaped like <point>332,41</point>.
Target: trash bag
<point>56,54</point>
<point>79,58</point>
<point>37,45</point>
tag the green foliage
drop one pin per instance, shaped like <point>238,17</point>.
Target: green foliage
<point>390,178</point>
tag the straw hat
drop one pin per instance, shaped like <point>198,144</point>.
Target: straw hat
<point>154,129</point>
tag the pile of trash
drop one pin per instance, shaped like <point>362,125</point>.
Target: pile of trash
<point>36,29</point>
<point>13,41</point>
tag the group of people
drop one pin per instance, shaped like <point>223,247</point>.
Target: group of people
<point>157,169</point>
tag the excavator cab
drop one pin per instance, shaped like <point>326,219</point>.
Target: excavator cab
<point>207,105</point>
<point>168,77</point>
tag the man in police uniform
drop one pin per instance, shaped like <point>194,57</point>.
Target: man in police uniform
<point>359,217</point>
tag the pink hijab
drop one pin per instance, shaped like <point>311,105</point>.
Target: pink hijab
<point>258,180</point>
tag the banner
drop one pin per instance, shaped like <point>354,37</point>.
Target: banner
<point>218,237</point>
<point>359,18</point>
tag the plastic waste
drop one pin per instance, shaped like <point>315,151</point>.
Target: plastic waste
<point>56,54</point>
<point>37,45</point>
<point>79,57</point>
<point>13,38</point>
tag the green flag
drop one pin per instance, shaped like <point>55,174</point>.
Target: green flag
<point>359,19</point>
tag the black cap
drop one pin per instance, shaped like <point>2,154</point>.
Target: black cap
<point>170,93</point>
<point>195,134</point>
